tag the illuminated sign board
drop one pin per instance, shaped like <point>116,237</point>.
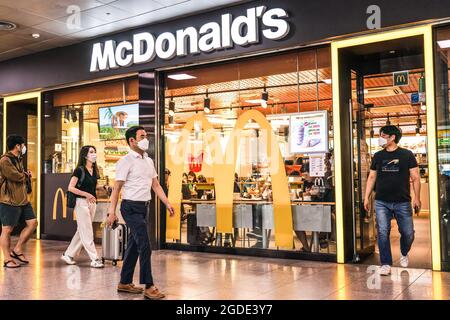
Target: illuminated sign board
<point>308,132</point>
<point>144,47</point>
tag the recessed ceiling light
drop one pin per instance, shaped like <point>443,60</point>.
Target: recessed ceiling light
<point>36,35</point>
<point>392,51</point>
<point>7,26</point>
<point>327,81</point>
<point>444,44</point>
<point>181,76</point>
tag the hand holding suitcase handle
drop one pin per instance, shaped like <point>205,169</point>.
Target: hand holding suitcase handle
<point>113,224</point>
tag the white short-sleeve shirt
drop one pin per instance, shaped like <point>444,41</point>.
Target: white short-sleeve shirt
<point>137,172</point>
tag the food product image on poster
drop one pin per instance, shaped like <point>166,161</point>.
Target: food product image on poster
<point>309,132</point>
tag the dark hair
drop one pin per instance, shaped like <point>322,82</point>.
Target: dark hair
<point>84,151</point>
<point>13,140</point>
<point>192,173</point>
<point>392,130</point>
<point>131,132</point>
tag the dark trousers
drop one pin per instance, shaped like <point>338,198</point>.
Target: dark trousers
<point>135,213</point>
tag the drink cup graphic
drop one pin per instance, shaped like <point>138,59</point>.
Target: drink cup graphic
<point>300,134</point>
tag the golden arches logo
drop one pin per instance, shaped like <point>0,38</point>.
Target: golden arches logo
<point>223,173</point>
<point>401,78</point>
<point>59,192</point>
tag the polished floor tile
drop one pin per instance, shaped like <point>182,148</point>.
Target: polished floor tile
<point>206,276</point>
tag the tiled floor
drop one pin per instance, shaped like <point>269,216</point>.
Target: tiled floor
<point>186,275</point>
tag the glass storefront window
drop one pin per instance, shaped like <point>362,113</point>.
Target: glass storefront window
<point>95,115</point>
<point>293,94</point>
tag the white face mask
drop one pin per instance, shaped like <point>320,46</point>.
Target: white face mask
<point>92,157</point>
<point>382,141</point>
<point>24,150</point>
<point>143,144</point>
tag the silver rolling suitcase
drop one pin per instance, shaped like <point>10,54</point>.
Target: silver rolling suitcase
<point>114,243</point>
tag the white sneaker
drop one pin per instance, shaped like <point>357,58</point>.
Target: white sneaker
<point>404,261</point>
<point>385,270</point>
<point>97,264</point>
<point>68,260</point>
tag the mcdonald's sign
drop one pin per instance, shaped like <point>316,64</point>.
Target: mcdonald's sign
<point>401,78</point>
<point>60,192</point>
<point>223,173</point>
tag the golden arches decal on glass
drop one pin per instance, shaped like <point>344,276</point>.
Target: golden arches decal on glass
<point>59,192</point>
<point>175,195</point>
<point>280,188</point>
<point>223,173</point>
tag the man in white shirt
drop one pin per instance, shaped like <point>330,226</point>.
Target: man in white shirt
<point>136,173</point>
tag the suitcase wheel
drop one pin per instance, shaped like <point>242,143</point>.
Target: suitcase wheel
<point>114,263</point>
<point>103,260</point>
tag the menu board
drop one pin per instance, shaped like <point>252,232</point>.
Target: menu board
<point>317,165</point>
<point>308,132</point>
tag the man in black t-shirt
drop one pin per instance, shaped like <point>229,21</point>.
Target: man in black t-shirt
<point>391,169</point>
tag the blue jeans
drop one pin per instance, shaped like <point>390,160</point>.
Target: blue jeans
<point>385,212</point>
<point>135,213</point>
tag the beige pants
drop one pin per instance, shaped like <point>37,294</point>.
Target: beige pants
<point>84,237</point>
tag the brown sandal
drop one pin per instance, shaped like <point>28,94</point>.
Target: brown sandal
<point>5,264</point>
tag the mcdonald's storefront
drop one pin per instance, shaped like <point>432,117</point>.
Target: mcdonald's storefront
<point>262,119</point>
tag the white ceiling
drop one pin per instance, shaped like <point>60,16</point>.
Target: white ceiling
<point>58,27</point>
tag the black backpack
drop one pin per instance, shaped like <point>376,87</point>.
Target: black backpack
<point>71,197</point>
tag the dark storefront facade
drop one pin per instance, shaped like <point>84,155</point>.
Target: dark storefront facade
<point>257,68</point>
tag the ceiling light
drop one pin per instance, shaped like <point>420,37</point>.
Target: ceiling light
<point>74,115</point>
<point>419,123</point>
<point>444,44</point>
<point>36,35</point>
<point>7,26</point>
<point>254,101</point>
<point>423,107</point>
<point>327,81</point>
<point>264,98</point>
<point>171,107</point>
<point>181,76</point>
<point>207,104</point>
<point>264,104</point>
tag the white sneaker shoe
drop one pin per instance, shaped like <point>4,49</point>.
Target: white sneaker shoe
<point>404,261</point>
<point>68,260</point>
<point>385,270</point>
<point>97,264</point>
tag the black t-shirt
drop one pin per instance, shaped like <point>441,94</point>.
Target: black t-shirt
<point>89,184</point>
<point>392,184</point>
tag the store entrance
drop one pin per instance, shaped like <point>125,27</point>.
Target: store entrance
<point>22,119</point>
<point>388,88</point>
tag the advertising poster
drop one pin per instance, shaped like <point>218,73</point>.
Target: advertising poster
<point>309,132</point>
<point>114,121</point>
